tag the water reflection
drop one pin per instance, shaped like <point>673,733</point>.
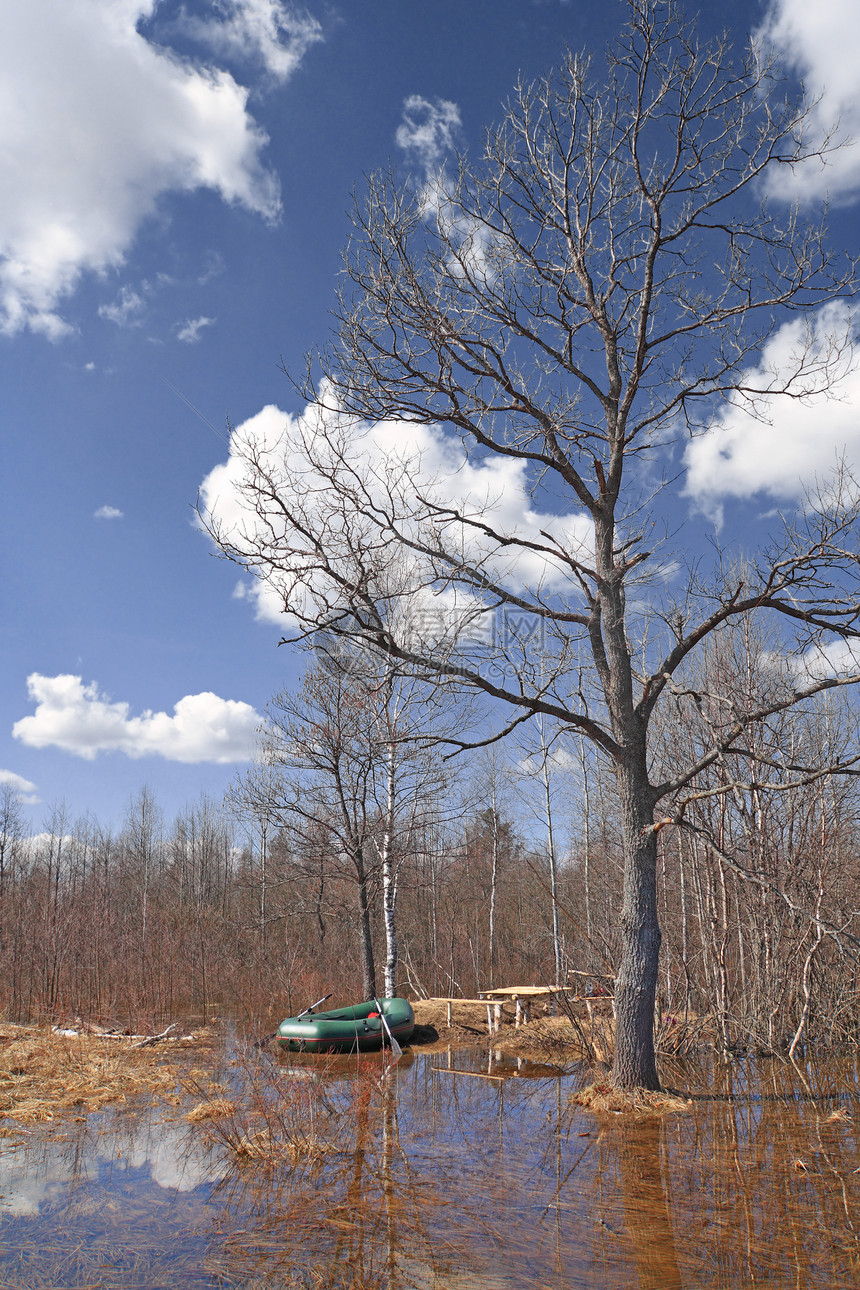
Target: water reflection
<point>37,1175</point>
<point>457,1171</point>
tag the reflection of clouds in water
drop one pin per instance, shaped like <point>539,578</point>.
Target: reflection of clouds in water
<point>176,1157</point>
<point>26,1182</point>
<point>39,1174</point>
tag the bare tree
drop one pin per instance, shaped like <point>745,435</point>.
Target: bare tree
<point>353,774</point>
<point>565,306</point>
<point>11,838</point>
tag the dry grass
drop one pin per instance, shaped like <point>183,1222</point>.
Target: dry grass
<point>263,1147</point>
<point>548,1039</point>
<point>44,1076</point>
<point>275,1118</point>
<point>604,1099</point>
<point>469,1024</point>
<point>211,1109</point>
<point>557,1040</point>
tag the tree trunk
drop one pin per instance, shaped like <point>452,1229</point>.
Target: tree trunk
<point>553,867</point>
<point>368,966</point>
<point>586,807</point>
<point>494,877</point>
<point>634,1064</point>
<point>389,875</point>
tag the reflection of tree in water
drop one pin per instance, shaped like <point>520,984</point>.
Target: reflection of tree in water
<point>457,1181</point>
<point>357,1218</point>
<point>646,1213</point>
<point>757,1185</point>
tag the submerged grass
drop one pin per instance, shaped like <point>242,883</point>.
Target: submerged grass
<point>275,1114</point>
<point>339,1177</point>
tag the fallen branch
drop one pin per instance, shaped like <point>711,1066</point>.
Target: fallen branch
<point>154,1039</point>
<point>96,1032</point>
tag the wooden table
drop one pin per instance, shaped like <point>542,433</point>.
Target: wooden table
<point>522,996</point>
<point>475,1003</point>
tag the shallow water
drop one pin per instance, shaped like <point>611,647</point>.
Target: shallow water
<point>439,1177</point>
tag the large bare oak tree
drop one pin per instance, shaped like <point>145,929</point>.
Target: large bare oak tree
<point>591,288</point>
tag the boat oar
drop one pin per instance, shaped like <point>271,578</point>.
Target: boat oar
<point>395,1047</point>
<point>267,1039</point>
<point>311,1008</point>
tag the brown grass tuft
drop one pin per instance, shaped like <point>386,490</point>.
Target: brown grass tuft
<point>211,1110</point>
<point>604,1099</point>
<point>264,1147</point>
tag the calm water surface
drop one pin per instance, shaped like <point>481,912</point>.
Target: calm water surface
<point>441,1178</point>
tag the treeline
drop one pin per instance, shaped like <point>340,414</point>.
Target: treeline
<point>199,918</point>
<point>346,856</point>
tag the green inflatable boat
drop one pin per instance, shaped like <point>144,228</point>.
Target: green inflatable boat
<point>348,1030</point>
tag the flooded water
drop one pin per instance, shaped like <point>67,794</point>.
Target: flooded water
<point>455,1172</point>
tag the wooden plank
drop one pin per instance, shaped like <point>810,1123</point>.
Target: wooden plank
<point>525,991</point>
<point>454,999</point>
<point>455,1070</point>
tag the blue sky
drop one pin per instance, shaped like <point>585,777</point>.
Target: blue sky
<point>177,182</point>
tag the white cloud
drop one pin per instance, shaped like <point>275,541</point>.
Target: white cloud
<point>837,657</point>
<point>268,30</point>
<point>429,130</point>
<point>783,444</point>
<point>17,782</point>
<point>98,123</point>
<point>78,719</point>
<point>421,467</point>
<point>126,309</point>
<point>107,513</point>
<point>190,332</point>
<point>821,43</point>
<point>24,789</point>
<point>428,134</point>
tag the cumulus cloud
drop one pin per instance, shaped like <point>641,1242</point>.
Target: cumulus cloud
<point>78,719</point>
<point>98,123</point>
<point>835,658</point>
<point>821,43</point>
<point>779,445</point>
<point>108,513</point>
<point>266,30</point>
<point>189,333</point>
<point>437,486</point>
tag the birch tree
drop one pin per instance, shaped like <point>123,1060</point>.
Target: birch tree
<point>351,773</point>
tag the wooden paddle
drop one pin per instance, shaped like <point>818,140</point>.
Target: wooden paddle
<point>395,1047</point>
